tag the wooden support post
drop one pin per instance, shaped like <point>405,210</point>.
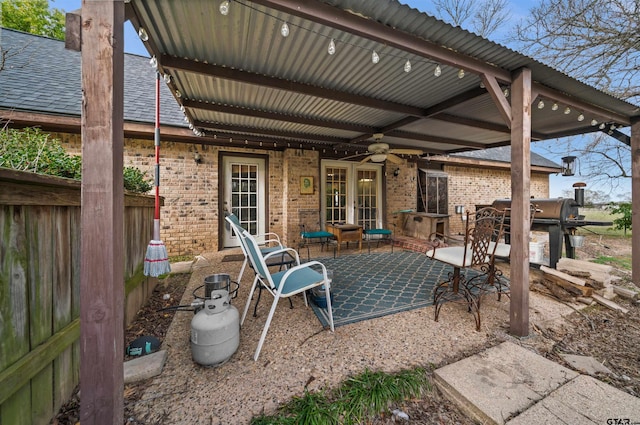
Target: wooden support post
<point>520,195</point>
<point>101,270</point>
<point>635,201</point>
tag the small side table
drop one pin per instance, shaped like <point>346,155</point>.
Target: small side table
<point>346,233</point>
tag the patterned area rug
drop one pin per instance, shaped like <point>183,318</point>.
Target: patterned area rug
<point>367,286</point>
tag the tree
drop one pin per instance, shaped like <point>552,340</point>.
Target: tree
<point>483,17</point>
<point>624,222</point>
<point>595,41</point>
<point>33,16</point>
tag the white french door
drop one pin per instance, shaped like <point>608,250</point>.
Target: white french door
<point>352,193</point>
<point>244,195</point>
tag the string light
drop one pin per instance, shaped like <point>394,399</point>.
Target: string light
<point>554,107</point>
<point>178,94</point>
<point>594,122</point>
<point>541,104</point>
<point>167,78</point>
<point>153,62</point>
<point>375,58</point>
<point>567,110</point>
<point>437,71</point>
<point>407,66</point>
<point>602,126</point>
<point>224,7</point>
<point>142,33</point>
<point>461,73</point>
<point>581,117</point>
<point>332,47</point>
<point>284,30</point>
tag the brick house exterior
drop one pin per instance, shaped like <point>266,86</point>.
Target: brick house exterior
<point>191,216</point>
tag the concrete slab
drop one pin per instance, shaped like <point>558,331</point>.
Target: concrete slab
<point>144,367</point>
<point>500,382</point>
<point>181,267</point>
<point>586,364</point>
<point>584,400</point>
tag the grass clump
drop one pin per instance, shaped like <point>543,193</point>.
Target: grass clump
<point>357,400</point>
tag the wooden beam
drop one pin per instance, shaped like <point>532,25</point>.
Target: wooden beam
<point>498,97</point>
<point>635,200</point>
<point>102,239</point>
<point>520,195</point>
<point>73,30</point>
<point>435,139</point>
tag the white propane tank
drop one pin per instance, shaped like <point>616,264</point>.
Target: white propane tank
<point>215,330</point>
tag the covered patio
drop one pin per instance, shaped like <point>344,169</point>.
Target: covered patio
<point>242,81</point>
<point>300,353</point>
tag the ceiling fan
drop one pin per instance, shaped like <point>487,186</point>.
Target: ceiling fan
<point>380,152</point>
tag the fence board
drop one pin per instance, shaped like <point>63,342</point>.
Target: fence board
<point>17,411</point>
<point>40,249</point>
<point>14,319</point>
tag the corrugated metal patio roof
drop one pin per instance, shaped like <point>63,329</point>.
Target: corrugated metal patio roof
<point>239,78</point>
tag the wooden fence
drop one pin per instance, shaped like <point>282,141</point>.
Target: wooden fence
<point>40,289</point>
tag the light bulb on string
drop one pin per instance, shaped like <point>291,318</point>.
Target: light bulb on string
<point>506,92</point>
<point>602,126</point>
<point>554,107</point>
<point>437,71</point>
<point>332,47</point>
<point>153,62</point>
<point>375,58</point>
<point>581,117</point>
<point>407,66</point>
<point>224,7</point>
<point>461,73</point>
<point>167,78</point>
<point>284,30</point>
<point>567,110</point>
<point>142,33</point>
<point>541,104</point>
<point>594,122</point>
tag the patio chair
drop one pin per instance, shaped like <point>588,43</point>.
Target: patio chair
<point>285,283</point>
<point>378,235</point>
<point>309,221</point>
<point>502,250</point>
<point>270,240</point>
<point>477,252</point>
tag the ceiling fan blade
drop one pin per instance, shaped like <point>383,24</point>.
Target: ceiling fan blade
<point>354,156</point>
<point>407,151</point>
<point>394,158</point>
<point>365,160</point>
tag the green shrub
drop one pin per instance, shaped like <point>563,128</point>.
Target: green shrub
<point>136,181</point>
<point>31,150</point>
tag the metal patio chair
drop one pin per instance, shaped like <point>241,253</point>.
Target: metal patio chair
<point>283,284</point>
<point>477,252</point>
<point>270,240</point>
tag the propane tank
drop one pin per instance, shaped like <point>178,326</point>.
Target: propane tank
<point>215,330</point>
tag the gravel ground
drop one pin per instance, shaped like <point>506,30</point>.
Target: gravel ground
<point>298,353</point>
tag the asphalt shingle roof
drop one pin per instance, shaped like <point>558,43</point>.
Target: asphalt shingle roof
<point>43,76</point>
<point>503,154</point>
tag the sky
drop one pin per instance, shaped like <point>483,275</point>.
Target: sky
<point>519,9</point>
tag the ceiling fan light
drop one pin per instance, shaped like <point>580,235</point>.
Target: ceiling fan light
<point>378,157</point>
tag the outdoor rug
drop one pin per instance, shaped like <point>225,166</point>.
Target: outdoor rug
<point>367,286</point>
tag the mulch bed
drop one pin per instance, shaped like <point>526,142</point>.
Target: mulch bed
<point>151,320</point>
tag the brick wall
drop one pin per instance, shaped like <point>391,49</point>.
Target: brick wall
<point>476,186</point>
<point>190,215</point>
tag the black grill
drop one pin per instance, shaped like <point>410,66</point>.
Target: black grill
<point>558,217</point>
